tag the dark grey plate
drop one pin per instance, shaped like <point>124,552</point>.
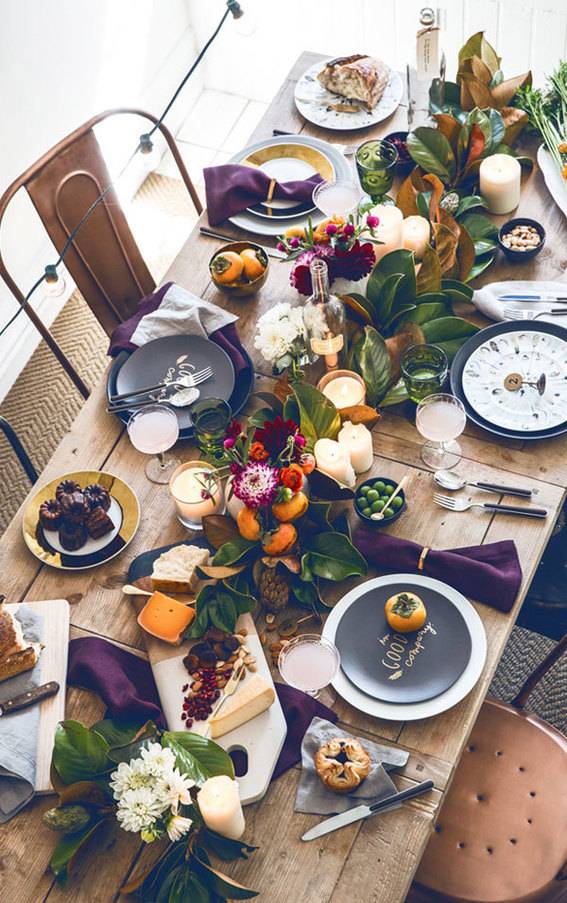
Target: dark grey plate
<point>173,356</point>
<point>388,666</point>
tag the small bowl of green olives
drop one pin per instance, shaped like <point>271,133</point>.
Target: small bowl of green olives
<point>373,496</point>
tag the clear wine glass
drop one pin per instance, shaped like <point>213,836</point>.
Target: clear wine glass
<point>440,419</point>
<point>309,662</point>
<point>338,198</point>
<point>153,430</point>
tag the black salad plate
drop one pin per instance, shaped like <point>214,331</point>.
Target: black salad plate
<point>403,668</point>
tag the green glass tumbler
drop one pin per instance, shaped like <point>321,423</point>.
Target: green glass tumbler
<point>424,370</point>
<point>211,418</point>
<point>376,163</point>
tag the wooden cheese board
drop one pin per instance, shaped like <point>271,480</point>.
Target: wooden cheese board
<point>261,738</point>
<point>53,661</point>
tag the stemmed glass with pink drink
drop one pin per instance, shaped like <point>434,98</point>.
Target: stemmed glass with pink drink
<point>309,662</point>
<point>441,419</point>
<point>153,430</point>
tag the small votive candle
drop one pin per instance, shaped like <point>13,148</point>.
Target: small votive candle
<point>196,489</point>
<point>500,182</point>
<point>334,460</point>
<point>219,804</point>
<point>357,440</point>
<point>416,233</point>
<point>344,388</point>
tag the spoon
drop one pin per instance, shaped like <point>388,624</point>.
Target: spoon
<point>179,399</point>
<point>452,481</point>
<point>379,515</point>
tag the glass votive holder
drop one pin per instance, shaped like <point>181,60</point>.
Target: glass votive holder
<point>376,164</point>
<point>196,489</point>
<point>424,370</point>
<point>344,388</point>
<point>211,418</point>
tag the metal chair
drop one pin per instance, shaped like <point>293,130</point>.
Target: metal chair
<point>104,259</point>
<point>501,836</point>
<point>19,449</point>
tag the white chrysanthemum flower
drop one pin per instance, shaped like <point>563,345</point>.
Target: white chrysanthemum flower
<point>177,827</point>
<point>138,809</point>
<point>158,760</point>
<point>174,790</point>
<point>120,780</point>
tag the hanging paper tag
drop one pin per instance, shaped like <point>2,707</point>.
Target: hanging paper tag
<point>427,52</point>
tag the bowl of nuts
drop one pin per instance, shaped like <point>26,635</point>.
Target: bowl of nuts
<point>521,238</point>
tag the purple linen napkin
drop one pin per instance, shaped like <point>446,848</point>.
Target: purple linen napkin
<point>126,685</point>
<point>490,573</point>
<point>231,188</point>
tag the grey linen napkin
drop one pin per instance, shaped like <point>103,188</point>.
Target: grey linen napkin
<point>314,797</point>
<point>19,732</point>
<point>485,299</point>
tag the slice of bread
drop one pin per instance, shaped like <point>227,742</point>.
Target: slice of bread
<point>174,570</point>
<point>23,660</point>
<point>11,636</point>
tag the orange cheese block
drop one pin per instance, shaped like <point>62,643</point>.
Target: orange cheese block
<point>165,618</point>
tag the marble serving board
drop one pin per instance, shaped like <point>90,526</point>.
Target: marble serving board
<point>261,739</point>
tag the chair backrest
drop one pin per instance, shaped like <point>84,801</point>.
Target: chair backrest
<point>104,259</point>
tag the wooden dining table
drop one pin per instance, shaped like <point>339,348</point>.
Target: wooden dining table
<point>373,860</point>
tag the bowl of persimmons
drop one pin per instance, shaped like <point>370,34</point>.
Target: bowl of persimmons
<point>239,268</point>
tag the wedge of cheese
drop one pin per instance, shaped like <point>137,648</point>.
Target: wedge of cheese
<point>174,570</point>
<point>251,699</point>
<point>165,618</point>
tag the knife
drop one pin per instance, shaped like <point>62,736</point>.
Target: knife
<point>271,252</point>
<point>36,694</point>
<point>359,812</point>
<point>533,296</point>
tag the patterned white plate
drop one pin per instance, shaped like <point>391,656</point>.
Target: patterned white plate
<point>495,374</point>
<point>313,102</point>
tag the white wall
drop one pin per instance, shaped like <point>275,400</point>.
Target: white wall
<point>62,61</point>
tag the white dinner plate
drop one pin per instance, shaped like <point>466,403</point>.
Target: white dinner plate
<point>426,709</point>
<point>556,184</point>
<point>313,102</point>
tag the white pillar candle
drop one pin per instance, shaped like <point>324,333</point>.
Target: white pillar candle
<point>334,460</point>
<point>357,440</point>
<point>416,233</point>
<point>389,229</point>
<point>219,804</point>
<point>500,179</point>
<point>233,503</point>
<point>344,388</point>
<point>188,484</point>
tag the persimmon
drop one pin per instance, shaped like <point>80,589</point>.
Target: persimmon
<point>227,267</point>
<point>248,524</point>
<point>280,540</point>
<point>405,612</point>
<point>307,463</point>
<point>295,507</point>
<point>254,266</point>
<point>295,232</point>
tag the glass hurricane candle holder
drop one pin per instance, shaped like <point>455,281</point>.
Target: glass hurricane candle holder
<point>344,388</point>
<point>424,370</point>
<point>376,163</point>
<point>196,489</point>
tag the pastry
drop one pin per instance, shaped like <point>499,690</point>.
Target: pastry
<point>72,536</point>
<point>174,570</point>
<point>98,523</point>
<point>50,514</point>
<point>405,612</point>
<point>16,655</point>
<point>97,496</point>
<point>342,764</point>
<point>66,486</point>
<point>74,506</point>
<point>357,77</point>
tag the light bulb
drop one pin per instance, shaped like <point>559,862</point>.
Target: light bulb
<point>146,144</point>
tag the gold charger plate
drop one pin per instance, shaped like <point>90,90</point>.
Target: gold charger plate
<point>124,512</point>
<point>304,152</point>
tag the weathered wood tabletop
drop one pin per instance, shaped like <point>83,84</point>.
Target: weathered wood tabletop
<point>373,860</point>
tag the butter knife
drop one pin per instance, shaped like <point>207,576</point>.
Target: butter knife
<point>359,812</point>
<point>31,697</point>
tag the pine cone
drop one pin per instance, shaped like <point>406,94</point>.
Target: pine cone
<point>273,586</point>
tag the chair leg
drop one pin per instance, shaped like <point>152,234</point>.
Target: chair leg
<point>19,449</point>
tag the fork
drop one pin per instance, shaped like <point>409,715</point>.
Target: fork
<point>516,313</point>
<point>445,501</point>
<point>185,382</point>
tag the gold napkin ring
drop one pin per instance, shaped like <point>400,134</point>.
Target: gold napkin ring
<point>422,557</point>
<point>269,196</point>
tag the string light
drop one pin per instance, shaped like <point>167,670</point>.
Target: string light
<point>145,146</point>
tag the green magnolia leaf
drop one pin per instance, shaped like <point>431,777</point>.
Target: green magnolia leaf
<point>226,848</point>
<point>195,891</point>
<point>324,487</point>
<point>319,513</point>
<point>444,97</point>
<point>423,313</point>
<point>395,263</point>
<point>332,556</point>
<point>396,395</point>
<point>223,885</point>
<point>431,150</point>
<point>479,227</point>
<point>306,592</point>
<point>397,318</point>
<point>484,246</point>
<point>79,754</point>
<point>386,299</point>
<point>429,277</point>
<point>498,129</point>
<point>223,613</point>
<point>467,203</point>
<point>291,408</point>
<point>259,417</point>
<point>449,333</point>
<point>477,45</point>
<point>233,550</point>
<point>318,417</point>
<point>211,759</point>
<point>118,733</point>
<point>480,266</point>
<point>69,847</point>
<point>456,290</point>
<point>375,366</point>
<point>422,203</point>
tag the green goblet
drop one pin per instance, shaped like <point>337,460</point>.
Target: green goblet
<point>375,163</point>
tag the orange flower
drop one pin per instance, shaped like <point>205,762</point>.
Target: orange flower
<point>258,452</point>
<point>292,477</point>
<point>564,172</point>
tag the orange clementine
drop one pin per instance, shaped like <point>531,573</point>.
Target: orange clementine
<point>307,463</point>
<point>253,263</point>
<point>405,612</point>
<point>280,540</point>
<point>292,509</point>
<point>248,524</point>
<point>227,267</point>
<point>295,232</point>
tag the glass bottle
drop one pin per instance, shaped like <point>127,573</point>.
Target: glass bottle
<point>325,320</point>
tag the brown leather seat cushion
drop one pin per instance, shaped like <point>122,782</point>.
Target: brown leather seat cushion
<point>502,832</point>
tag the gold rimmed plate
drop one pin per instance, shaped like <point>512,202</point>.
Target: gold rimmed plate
<point>124,512</point>
<point>288,162</point>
